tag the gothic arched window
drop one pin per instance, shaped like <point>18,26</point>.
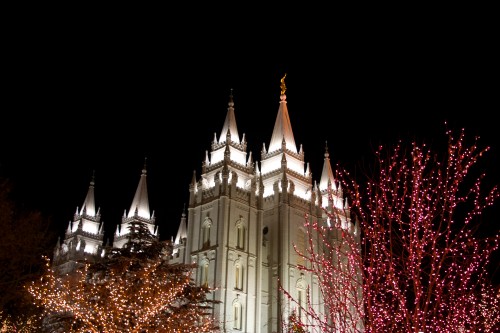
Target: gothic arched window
<point>301,299</point>
<point>240,229</point>
<point>204,273</point>
<point>238,276</point>
<point>237,315</point>
<point>206,233</point>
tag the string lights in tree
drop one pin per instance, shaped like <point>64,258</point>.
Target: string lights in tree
<point>423,263</point>
<point>133,290</point>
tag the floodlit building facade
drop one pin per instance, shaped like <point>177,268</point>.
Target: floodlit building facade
<point>240,227</point>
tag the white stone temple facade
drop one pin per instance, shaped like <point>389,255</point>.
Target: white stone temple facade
<point>240,225</point>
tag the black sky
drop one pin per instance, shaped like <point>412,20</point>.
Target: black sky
<point>85,98</point>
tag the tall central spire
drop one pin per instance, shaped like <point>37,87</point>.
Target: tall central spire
<point>282,127</point>
<point>282,163</point>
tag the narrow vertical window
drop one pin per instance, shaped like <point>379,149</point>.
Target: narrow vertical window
<point>237,276</point>
<point>301,302</point>
<point>206,235</point>
<point>240,237</point>
<point>204,275</point>
<point>237,316</point>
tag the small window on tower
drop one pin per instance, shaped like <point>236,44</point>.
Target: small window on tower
<point>301,299</point>
<point>240,236</point>
<point>237,316</point>
<point>238,276</point>
<point>206,233</point>
<point>204,274</point>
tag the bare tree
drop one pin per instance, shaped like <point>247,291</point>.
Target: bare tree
<point>423,262</point>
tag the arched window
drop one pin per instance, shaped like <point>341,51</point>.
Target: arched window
<point>301,300</point>
<point>206,233</point>
<point>237,315</point>
<point>238,276</point>
<point>241,237</point>
<point>240,234</point>
<point>204,273</point>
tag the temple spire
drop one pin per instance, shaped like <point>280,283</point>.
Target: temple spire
<point>327,178</point>
<point>140,203</point>
<point>230,124</point>
<point>282,127</point>
<point>88,206</point>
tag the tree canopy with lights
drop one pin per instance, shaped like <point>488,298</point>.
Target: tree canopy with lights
<point>422,263</point>
<point>134,289</point>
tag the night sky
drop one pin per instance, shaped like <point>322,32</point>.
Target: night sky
<point>79,100</point>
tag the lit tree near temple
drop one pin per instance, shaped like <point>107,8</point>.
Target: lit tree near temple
<point>424,262</point>
<point>133,290</point>
<point>333,255</point>
<point>294,324</point>
<point>27,324</point>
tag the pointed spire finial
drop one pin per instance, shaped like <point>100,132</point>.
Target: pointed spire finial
<point>145,163</point>
<point>283,86</point>
<point>326,150</point>
<point>231,102</point>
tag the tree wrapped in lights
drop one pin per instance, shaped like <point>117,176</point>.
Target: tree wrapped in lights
<point>333,256</point>
<point>28,323</point>
<point>134,289</point>
<point>294,324</point>
<point>424,258</point>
